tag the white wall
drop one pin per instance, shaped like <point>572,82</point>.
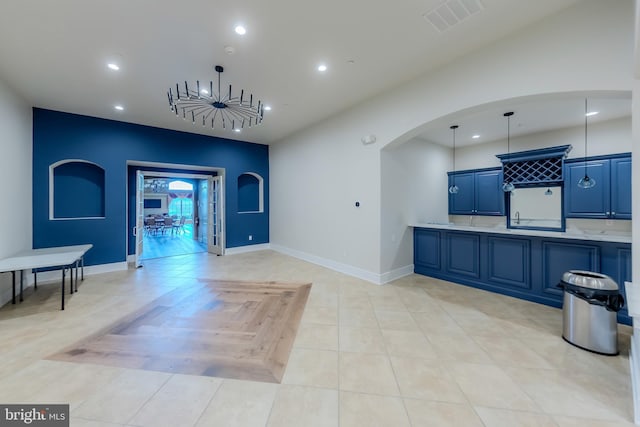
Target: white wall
<point>15,175</point>
<point>413,178</point>
<point>326,165</point>
<point>314,187</point>
<point>612,136</point>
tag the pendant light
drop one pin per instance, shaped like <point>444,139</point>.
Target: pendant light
<point>548,192</point>
<point>586,181</point>
<point>454,188</point>
<point>508,186</point>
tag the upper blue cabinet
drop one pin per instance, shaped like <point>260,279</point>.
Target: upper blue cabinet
<point>479,192</point>
<point>610,198</point>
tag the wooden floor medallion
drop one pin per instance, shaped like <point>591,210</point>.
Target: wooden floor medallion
<point>242,330</point>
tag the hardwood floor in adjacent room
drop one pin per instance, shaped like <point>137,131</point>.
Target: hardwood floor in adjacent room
<point>229,329</point>
<point>172,242</point>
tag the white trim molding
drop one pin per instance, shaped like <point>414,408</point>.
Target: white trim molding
<point>375,278</point>
<point>90,270</point>
<point>247,248</point>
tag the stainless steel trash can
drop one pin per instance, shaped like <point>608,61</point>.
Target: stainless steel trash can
<point>591,301</point>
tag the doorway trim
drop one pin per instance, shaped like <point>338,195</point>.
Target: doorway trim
<point>199,172</point>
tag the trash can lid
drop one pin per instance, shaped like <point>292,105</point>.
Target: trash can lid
<point>589,279</point>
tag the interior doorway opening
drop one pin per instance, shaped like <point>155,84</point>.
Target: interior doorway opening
<point>170,217</point>
<point>176,213</point>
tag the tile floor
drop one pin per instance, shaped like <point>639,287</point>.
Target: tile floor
<point>417,352</point>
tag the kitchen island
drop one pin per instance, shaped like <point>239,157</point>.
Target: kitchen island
<point>526,264</point>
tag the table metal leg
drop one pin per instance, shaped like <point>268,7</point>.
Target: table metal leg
<point>76,263</point>
<point>21,284</point>
<point>35,279</point>
<point>63,278</point>
<point>13,287</point>
<point>82,266</point>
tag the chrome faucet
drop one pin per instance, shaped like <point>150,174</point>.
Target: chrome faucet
<point>517,217</point>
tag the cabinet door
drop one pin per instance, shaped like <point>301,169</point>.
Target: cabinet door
<point>591,202</point>
<point>621,188</point>
<point>489,194</point>
<point>462,203</point>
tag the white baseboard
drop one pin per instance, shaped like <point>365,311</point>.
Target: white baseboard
<point>392,275</point>
<point>247,248</point>
<point>54,276</point>
<point>635,372</point>
<point>376,278</point>
<point>46,276</point>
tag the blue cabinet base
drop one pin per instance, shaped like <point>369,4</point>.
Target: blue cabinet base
<point>524,267</point>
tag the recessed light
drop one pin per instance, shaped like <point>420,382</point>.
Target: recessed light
<point>475,136</point>
<point>591,113</point>
<point>240,30</point>
<point>322,67</point>
<point>267,108</point>
<point>237,130</point>
<point>204,91</point>
<point>118,107</point>
<point>113,66</point>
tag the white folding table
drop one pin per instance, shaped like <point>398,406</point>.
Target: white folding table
<point>63,257</point>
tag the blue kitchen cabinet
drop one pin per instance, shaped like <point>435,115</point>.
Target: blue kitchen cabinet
<point>621,188</point>
<point>463,202</point>
<point>526,267</point>
<point>610,198</point>
<point>479,193</point>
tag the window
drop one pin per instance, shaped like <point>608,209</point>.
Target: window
<point>181,206</point>
<point>180,185</point>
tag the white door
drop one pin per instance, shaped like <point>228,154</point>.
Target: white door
<point>203,211</point>
<point>138,229</point>
<point>215,220</point>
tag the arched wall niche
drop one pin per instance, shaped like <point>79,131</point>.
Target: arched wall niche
<point>250,193</point>
<point>76,190</point>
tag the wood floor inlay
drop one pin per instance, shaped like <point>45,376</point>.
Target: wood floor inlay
<point>230,329</point>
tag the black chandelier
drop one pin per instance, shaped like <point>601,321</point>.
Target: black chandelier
<point>221,110</point>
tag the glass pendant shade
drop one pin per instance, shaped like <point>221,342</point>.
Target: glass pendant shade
<point>508,187</point>
<point>453,189</point>
<point>586,182</point>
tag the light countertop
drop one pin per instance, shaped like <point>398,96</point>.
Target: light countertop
<point>604,236</point>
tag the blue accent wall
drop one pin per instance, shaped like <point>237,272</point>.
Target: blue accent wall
<point>59,136</point>
<point>248,193</point>
<point>78,190</point>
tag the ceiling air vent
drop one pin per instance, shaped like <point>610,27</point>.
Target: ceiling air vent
<point>452,12</point>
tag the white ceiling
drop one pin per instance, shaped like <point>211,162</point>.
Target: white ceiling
<point>54,53</point>
<point>530,115</point>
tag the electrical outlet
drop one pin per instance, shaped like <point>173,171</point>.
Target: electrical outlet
<point>250,237</point>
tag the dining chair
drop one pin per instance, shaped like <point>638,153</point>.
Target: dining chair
<point>179,226</point>
<point>168,225</point>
